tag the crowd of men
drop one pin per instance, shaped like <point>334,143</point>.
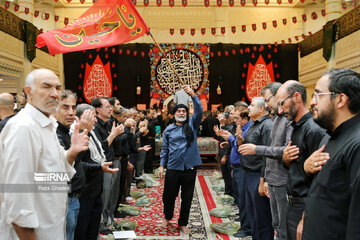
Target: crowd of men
<point>292,171</point>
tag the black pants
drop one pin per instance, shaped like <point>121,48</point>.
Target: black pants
<point>174,179</point>
<point>226,174</point>
<point>293,217</point>
<point>88,222</point>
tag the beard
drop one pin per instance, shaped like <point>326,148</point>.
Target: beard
<point>326,119</point>
<point>180,119</point>
<point>292,113</point>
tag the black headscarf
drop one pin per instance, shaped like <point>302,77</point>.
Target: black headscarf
<point>189,134</point>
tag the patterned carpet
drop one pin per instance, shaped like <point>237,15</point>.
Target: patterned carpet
<point>203,201</point>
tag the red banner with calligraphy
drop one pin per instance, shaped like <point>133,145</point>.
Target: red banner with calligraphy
<point>106,23</point>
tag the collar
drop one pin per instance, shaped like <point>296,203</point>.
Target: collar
<point>260,120</point>
<point>246,126</point>
<point>62,128</point>
<point>100,121</point>
<point>345,125</point>
<point>302,120</point>
<point>39,117</point>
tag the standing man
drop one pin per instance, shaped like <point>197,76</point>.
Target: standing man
<point>241,120</point>
<point>6,108</point>
<point>254,166</point>
<point>29,145</point>
<point>332,210</point>
<point>276,174</point>
<point>107,135</point>
<point>150,140</point>
<point>181,155</point>
<point>65,116</point>
<point>305,139</point>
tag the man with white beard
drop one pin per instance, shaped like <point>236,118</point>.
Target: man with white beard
<point>181,155</point>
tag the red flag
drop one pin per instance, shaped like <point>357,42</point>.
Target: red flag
<point>233,29</point>
<point>171,31</point>
<point>275,23</point>
<point>206,3</point>
<point>7,5</point>
<point>171,3</point>
<point>219,3</point>
<point>106,23</point>
<point>182,31</point>
<point>16,8</point>
<point>264,25</point>
<point>231,3</point>
<point>243,28</point>
<point>203,31</point>
<point>222,30</point>
<point>213,31</point>
<point>192,31</point>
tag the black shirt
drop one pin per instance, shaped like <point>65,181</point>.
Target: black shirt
<point>4,121</point>
<point>102,131</point>
<point>118,151</point>
<point>258,134</point>
<point>78,180</point>
<point>333,208</point>
<point>226,151</point>
<point>207,129</point>
<point>307,136</point>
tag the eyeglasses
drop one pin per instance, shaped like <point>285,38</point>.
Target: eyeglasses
<point>268,99</point>
<point>317,94</point>
<point>281,103</point>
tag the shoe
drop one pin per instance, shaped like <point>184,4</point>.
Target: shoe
<point>241,234</point>
<point>129,199</point>
<point>105,231</point>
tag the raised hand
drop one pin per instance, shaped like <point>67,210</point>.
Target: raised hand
<point>87,120</point>
<point>79,141</point>
<point>106,168</point>
<point>188,90</point>
<point>316,160</point>
<point>224,144</point>
<point>291,152</point>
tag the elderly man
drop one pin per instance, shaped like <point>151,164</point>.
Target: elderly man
<point>332,210</point>
<point>276,174</point>
<point>29,145</point>
<point>305,139</point>
<point>254,166</point>
<point>181,155</point>
<point>6,108</point>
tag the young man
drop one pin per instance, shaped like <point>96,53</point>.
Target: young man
<point>332,209</point>
<point>181,155</point>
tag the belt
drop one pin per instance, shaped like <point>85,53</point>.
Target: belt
<point>117,158</point>
<point>75,195</point>
<point>295,200</point>
<point>235,165</point>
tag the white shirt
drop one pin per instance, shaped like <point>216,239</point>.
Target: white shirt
<point>29,144</point>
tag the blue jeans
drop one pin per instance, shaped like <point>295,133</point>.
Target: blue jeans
<point>71,217</point>
<point>239,179</point>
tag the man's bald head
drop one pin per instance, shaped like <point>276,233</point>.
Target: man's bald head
<point>293,86</point>
<point>6,105</point>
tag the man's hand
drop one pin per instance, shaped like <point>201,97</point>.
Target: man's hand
<point>24,233</point>
<point>223,160</point>
<point>247,149</point>
<point>266,189</point>
<point>145,148</point>
<point>117,130</point>
<point>300,227</point>
<point>161,172</point>
<point>316,160</point>
<point>224,144</point>
<point>224,134</point>
<point>261,187</point>
<point>216,130</point>
<point>106,168</point>
<point>87,120</point>
<point>290,153</point>
<point>130,167</point>
<point>188,90</point>
<point>221,119</point>
<point>79,141</point>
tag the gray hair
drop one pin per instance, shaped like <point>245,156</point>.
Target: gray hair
<point>80,109</point>
<point>30,80</point>
<point>273,88</point>
<point>260,101</point>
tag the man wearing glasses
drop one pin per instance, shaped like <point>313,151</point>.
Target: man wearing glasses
<point>332,209</point>
<point>305,139</point>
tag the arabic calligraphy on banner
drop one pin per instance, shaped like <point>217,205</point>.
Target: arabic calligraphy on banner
<point>191,61</point>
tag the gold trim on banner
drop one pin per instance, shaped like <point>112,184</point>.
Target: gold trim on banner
<point>12,24</point>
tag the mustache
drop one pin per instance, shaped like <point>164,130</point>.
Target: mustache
<point>54,100</point>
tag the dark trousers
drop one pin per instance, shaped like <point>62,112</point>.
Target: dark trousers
<point>150,155</point>
<point>293,217</point>
<point>88,222</point>
<point>226,174</point>
<point>174,179</point>
<point>239,178</point>
<point>124,163</point>
<point>259,209</point>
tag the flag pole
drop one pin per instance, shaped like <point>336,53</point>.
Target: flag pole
<point>168,61</point>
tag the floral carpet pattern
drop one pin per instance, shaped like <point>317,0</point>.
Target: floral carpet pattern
<point>204,200</point>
